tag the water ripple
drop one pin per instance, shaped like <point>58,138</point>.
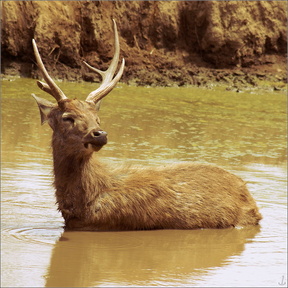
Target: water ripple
<point>34,235</point>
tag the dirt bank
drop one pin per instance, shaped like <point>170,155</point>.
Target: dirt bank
<point>238,43</point>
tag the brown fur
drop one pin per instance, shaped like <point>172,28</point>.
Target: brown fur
<point>180,196</point>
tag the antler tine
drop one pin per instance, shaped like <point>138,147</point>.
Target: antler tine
<point>107,83</point>
<point>51,86</point>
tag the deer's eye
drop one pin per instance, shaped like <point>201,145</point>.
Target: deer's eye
<point>68,119</point>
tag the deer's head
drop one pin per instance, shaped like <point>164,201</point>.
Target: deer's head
<point>75,123</point>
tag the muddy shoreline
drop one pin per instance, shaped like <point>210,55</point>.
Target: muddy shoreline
<point>268,77</point>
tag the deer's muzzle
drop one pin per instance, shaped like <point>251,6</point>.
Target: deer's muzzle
<point>95,139</point>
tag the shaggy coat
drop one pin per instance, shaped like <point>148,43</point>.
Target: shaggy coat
<point>91,196</point>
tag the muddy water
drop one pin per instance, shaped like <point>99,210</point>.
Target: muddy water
<point>243,132</point>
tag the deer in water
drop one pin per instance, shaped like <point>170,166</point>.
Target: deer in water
<point>92,196</point>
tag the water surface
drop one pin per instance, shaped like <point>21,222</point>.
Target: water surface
<point>242,132</point>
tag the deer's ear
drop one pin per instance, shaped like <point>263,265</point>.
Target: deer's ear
<point>44,106</point>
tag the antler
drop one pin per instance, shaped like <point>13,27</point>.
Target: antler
<point>108,83</point>
<point>51,86</point>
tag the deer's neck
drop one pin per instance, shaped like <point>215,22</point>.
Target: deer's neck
<point>80,171</point>
<point>78,182</point>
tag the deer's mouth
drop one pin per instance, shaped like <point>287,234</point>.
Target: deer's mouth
<point>95,140</point>
<point>94,147</point>
<point>96,144</point>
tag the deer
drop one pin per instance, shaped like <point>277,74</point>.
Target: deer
<point>92,196</point>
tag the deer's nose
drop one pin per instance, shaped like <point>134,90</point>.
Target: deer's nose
<point>98,133</point>
<point>96,138</point>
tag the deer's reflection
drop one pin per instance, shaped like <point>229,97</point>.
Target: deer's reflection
<point>82,259</point>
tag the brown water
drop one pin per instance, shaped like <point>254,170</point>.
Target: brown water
<point>243,132</point>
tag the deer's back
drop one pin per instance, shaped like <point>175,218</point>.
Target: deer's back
<point>182,196</point>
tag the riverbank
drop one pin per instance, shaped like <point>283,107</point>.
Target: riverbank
<point>165,43</point>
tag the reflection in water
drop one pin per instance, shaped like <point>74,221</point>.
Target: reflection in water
<point>142,258</point>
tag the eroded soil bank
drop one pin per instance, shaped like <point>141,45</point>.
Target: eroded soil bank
<point>165,43</point>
